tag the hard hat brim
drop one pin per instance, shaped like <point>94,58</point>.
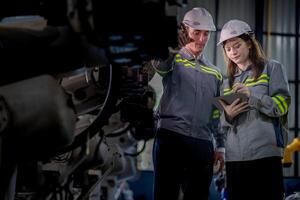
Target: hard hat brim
<point>200,27</point>
<point>233,36</point>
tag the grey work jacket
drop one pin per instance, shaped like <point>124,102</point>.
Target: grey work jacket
<point>259,132</point>
<point>186,105</point>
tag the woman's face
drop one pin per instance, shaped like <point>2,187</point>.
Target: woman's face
<point>237,50</point>
<point>199,39</point>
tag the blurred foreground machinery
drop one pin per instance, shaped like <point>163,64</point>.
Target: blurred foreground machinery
<point>74,101</point>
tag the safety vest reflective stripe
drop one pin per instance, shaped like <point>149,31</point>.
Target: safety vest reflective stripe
<point>160,72</point>
<point>281,103</point>
<point>263,78</point>
<point>187,63</point>
<point>227,91</point>
<point>257,82</point>
<point>216,114</point>
<point>211,71</point>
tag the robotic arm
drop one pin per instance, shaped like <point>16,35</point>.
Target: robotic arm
<point>61,87</point>
<point>287,160</point>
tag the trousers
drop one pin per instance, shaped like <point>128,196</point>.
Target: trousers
<point>182,164</point>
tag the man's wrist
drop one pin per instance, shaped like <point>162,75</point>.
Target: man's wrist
<point>221,149</point>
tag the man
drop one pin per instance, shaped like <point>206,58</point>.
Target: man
<point>184,153</point>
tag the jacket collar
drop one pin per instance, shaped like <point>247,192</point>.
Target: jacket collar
<point>189,56</point>
<point>240,72</point>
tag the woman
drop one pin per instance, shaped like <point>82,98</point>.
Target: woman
<point>255,128</point>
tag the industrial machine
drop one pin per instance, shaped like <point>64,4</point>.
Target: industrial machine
<point>74,100</point>
<point>289,151</point>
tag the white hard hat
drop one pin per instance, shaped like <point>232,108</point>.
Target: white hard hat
<point>234,28</point>
<point>199,19</point>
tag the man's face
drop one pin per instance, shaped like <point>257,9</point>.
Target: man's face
<point>199,39</point>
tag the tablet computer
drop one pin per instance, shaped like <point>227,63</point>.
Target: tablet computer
<point>229,99</point>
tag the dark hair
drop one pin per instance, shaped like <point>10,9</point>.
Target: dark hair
<point>256,55</point>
